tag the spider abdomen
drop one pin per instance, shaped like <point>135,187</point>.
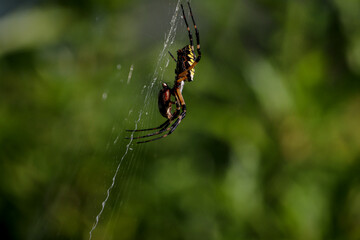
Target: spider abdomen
<point>190,60</point>
<point>186,57</point>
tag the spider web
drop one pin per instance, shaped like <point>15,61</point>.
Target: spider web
<point>161,65</point>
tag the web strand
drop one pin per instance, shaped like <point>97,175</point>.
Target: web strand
<point>159,71</point>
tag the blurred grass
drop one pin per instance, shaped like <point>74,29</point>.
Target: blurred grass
<point>269,149</point>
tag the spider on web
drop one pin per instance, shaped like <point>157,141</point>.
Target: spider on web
<point>185,70</point>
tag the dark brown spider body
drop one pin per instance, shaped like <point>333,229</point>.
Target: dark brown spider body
<point>164,101</point>
<point>185,63</point>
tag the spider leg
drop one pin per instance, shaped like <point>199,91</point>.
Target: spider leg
<point>171,129</point>
<point>187,26</point>
<point>163,129</point>
<point>184,73</point>
<point>196,33</point>
<point>183,76</point>
<point>166,123</point>
<point>172,56</point>
<point>177,112</point>
<point>179,101</point>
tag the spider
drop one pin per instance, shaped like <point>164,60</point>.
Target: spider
<point>185,63</point>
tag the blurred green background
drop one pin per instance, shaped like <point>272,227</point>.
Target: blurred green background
<point>270,147</point>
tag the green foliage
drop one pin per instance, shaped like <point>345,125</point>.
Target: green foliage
<point>270,148</point>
